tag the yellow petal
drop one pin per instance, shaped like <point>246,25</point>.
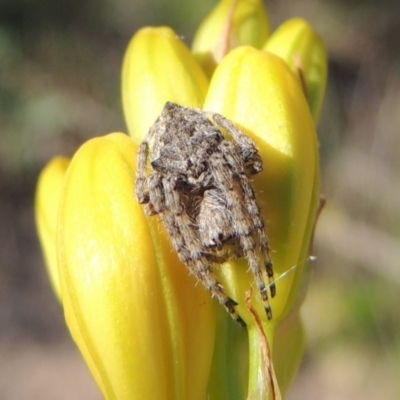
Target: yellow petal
<point>48,192</point>
<point>158,67</point>
<point>305,52</point>
<point>230,24</point>
<point>143,325</point>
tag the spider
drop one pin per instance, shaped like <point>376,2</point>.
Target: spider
<point>199,185</point>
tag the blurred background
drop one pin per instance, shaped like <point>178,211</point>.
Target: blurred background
<point>60,85</point>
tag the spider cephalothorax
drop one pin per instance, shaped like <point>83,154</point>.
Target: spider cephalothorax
<point>199,184</point>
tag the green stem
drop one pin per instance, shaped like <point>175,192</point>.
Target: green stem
<point>262,384</point>
<point>229,369</point>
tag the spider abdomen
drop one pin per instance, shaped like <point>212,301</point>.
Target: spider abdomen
<point>215,225</point>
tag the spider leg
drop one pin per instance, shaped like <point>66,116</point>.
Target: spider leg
<point>252,208</point>
<point>141,187</point>
<point>245,220</point>
<point>156,202</point>
<point>252,160</point>
<point>254,211</point>
<point>187,244</point>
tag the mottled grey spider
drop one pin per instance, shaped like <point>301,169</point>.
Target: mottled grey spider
<point>199,184</point>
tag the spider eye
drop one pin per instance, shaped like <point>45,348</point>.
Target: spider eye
<point>219,135</point>
<point>155,163</point>
<point>214,135</point>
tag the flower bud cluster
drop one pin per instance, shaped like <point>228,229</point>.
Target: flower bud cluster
<point>144,327</point>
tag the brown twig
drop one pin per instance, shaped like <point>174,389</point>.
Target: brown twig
<point>265,349</point>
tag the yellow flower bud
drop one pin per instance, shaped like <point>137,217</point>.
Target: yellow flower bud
<point>48,194</point>
<point>304,50</point>
<point>143,325</point>
<point>230,24</point>
<point>258,92</point>
<point>158,67</point>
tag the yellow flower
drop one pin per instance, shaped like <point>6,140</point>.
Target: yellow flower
<point>146,330</point>
<point>158,67</point>
<point>257,91</point>
<point>136,315</point>
<point>48,193</point>
<point>305,52</point>
<point>230,24</point>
